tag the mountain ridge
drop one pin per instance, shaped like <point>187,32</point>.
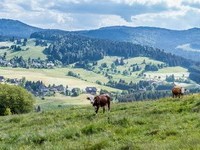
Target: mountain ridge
<point>167,39</point>
<point>15,28</point>
<point>76,46</point>
<point>148,38</point>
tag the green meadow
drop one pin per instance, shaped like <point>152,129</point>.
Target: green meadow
<point>30,50</point>
<point>154,125</point>
<point>60,101</point>
<point>166,71</point>
<point>56,76</point>
<point>88,77</point>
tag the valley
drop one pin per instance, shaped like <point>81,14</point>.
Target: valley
<point>62,64</point>
<point>100,75</point>
<point>58,76</point>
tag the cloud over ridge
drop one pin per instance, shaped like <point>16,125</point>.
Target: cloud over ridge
<point>91,14</point>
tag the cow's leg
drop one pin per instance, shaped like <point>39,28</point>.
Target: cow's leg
<point>97,108</point>
<point>109,106</point>
<point>103,109</point>
<point>181,95</point>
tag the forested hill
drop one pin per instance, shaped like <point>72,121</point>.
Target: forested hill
<point>184,43</point>
<point>14,28</point>
<point>68,48</point>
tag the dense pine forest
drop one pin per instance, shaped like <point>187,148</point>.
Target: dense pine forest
<point>70,48</point>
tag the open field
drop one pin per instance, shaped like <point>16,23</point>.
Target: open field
<point>176,71</point>
<point>6,43</point>
<point>128,62</point>
<point>51,76</point>
<point>89,78</point>
<point>156,125</point>
<point>37,51</point>
<point>30,50</point>
<point>110,59</point>
<point>61,101</point>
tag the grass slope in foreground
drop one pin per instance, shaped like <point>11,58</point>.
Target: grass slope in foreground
<point>164,124</point>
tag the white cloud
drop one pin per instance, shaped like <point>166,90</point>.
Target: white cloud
<point>112,20</point>
<point>90,14</point>
<point>180,19</point>
<point>170,3</point>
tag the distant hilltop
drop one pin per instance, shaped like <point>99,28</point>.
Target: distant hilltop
<point>10,28</point>
<point>184,43</point>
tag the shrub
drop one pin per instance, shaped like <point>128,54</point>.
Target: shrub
<point>7,112</point>
<point>15,100</point>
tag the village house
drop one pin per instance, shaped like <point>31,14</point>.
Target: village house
<point>91,90</point>
<point>58,88</point>
<point>2,79</point>
<point>50,65</point>
<point>43,89</point>
<point>15,81</point>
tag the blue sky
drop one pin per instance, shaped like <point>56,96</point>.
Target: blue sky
<point>92,14</point>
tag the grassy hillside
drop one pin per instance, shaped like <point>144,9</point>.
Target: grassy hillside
<point>164,124</point>
<point>30,50</point>
<point>54,76</point>
<point>178,72</point>
<point>98,73</point>
<point>89,78</point>
<point>166,71</point>
<point>60,101</point>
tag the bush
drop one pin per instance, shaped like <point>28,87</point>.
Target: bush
<point>14,100</point>
<point>7,112</point>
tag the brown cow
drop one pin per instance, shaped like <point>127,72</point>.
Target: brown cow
<point>100,101</point>
<point>178,91</point>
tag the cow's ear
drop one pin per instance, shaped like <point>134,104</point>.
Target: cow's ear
<point>97,99</point>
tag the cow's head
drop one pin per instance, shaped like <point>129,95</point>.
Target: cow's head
<point>96,101</point>
<point>91,99</point>
<point>183,90</point>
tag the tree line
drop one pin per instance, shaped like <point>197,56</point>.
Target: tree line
<point>70,48</point>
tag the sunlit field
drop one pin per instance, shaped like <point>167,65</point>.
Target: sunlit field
<point>164,124</point>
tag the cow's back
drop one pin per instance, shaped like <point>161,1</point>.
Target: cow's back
<point>176,91</point>
<point>103,100</point>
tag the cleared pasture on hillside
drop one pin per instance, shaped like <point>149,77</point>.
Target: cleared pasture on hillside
<point>176,71</point>
<point>5,44</point>
<point>50,76</point>
<point>179,72</point>
<point>90,77</point>
<point>110,59</point>
<point>60,101</point>
<point>30,50</point>
<point>127,64</point>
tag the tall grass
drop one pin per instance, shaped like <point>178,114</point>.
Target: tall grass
<point>164,124</point>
